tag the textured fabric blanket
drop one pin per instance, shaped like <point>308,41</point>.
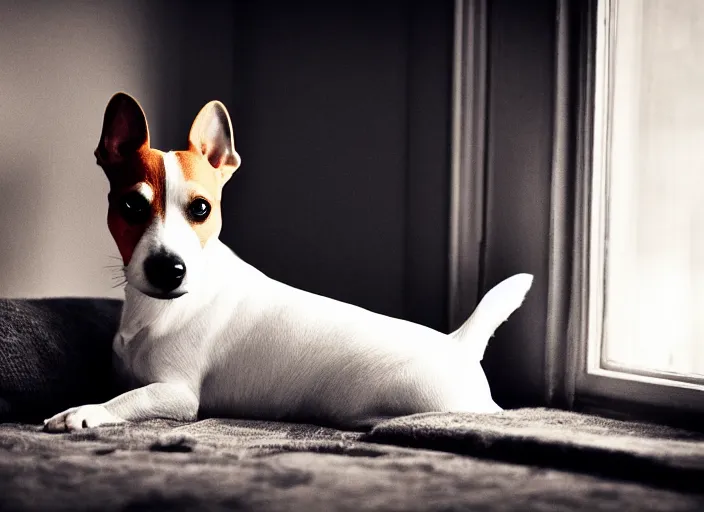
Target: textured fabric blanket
<point>526,459</point>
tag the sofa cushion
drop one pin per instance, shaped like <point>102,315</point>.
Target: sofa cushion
<point>55,353</point>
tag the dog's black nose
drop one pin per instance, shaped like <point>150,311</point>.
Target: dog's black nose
<point>164,271</point>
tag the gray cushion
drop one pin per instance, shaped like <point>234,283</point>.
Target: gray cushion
<point>642,451</point>
<point>54,354</point>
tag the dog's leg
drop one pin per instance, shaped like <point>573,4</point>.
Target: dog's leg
<point>159,400</point>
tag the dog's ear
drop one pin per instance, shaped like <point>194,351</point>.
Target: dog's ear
<point>124,130</point>
<point>211,136</point>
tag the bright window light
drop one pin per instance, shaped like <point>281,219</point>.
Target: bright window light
<point>647,239</point>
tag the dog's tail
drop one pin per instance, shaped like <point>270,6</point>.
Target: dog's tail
<point>493,310</point>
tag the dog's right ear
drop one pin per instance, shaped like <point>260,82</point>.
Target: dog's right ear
<point>124,130</point>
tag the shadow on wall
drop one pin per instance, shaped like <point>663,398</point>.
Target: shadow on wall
<point>19,242</point>
<point>61,62</point>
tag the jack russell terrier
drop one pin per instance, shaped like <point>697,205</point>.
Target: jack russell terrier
<point>204,333</point>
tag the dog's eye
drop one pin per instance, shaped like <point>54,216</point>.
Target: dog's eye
<point>199,209</point>
<point>135,208</point>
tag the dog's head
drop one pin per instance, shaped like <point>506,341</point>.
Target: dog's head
<point>164,208</point>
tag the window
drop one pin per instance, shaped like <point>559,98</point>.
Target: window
<point>645,205</point>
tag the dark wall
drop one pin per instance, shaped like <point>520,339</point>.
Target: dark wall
<point>341,116</point>
<point>192,52</point>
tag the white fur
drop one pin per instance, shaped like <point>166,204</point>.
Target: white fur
<point>145,190</point>
<point>241,344</point>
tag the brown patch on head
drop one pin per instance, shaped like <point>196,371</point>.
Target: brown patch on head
<point>202,181</point>
<point>144,166</point>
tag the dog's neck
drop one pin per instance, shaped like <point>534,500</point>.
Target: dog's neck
<point>223,272</point>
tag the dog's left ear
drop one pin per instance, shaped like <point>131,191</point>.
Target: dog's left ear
<point>124,132</point>
<point>211,136</point>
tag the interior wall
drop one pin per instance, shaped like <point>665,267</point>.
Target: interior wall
<point>321,127</point>
<point>342,120</point>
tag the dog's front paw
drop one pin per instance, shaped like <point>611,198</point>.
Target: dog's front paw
<point>77,418</point>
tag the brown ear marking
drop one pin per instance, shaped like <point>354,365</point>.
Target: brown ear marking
<point>125,131</point>
<point>211,135</point>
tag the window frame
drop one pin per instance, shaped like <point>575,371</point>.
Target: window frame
<point>468,164</point>
<point>574,340</point>
<point>520,203</point>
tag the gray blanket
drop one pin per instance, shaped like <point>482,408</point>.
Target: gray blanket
<point>529,459</point>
